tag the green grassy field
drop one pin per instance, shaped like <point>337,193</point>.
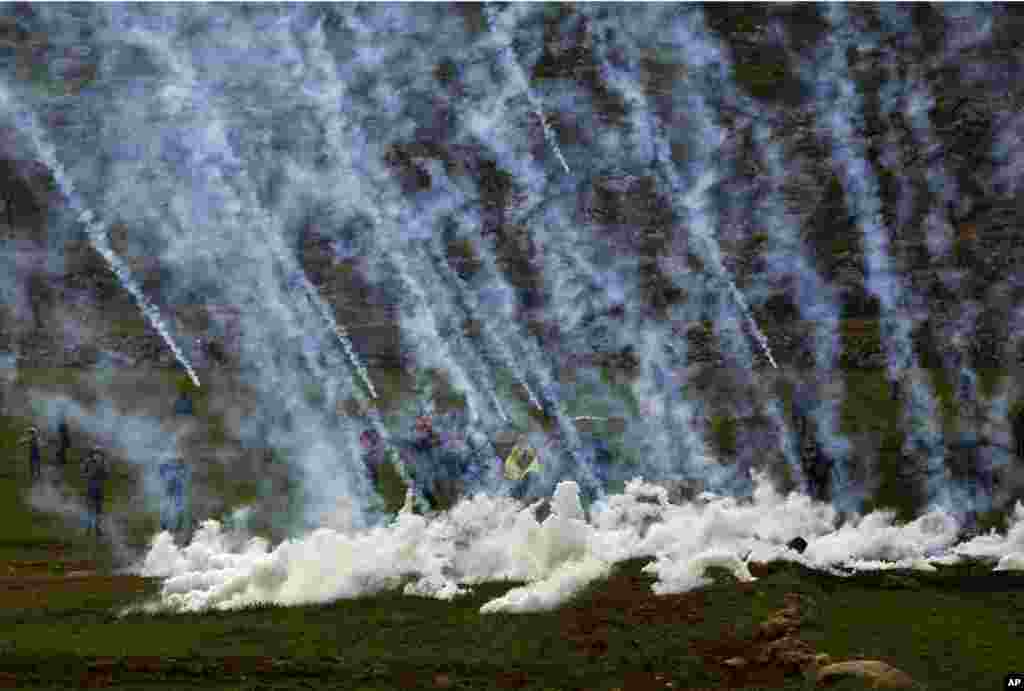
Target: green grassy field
<point>957,629</point>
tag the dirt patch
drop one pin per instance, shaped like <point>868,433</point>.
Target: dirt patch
<point>630,598</point>
<point>30,591</point>
<point>766,659</point>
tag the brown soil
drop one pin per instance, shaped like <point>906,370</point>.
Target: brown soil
<point>771,657</point>
<point>31,584</point>
<point>624,601</point>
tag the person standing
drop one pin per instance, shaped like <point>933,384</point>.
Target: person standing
<point>173,474</point>
<point>64,441</point>
<point>35,455</point>
<point>183,406</point>
<point>521,461</point>
<point>96,472</point>
<point>382,466</point>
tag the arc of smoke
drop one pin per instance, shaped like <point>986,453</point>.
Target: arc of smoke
<point>317,303</point>
<point>691,199</point>
<point>338,329</point>
<point>499,344</point>
<point>95,230</point>
<point>327,100</point>
<point>758,334</point>
<point>513,66</point>
<point>566,426</point>
<point>861,185</point>
<point>438,266</point>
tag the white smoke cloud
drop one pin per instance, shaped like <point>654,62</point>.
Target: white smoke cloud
<point>486,538</point>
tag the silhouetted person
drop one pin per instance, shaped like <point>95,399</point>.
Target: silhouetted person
<point>896,390</point>
<point>434,467</point>
<point>817,467</point>
<point>96,472</point>
<point>64,441</point>
<point>173,475</point>
<point>35,456</point>
<point>381,464</point>
<point>1018,432</point>
<point>373,453</point>
<point>183,406</point>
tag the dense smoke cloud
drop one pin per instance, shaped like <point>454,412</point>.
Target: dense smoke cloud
<point>601,216</point>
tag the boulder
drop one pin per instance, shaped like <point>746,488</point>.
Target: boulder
<point>797,544</point>
<point>778,626</point>
<point>877,674</point>
<point>788,652</point>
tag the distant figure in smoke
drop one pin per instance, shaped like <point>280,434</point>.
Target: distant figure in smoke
<point>174,476</point>
<point>96,472</point>
<point>817,468</point>
<point>35,456</point>
<point>521,461</point>
<point>64,441</point>
<point>382,466</point>
<point>593,452</point>
<point>1018,431</point>
<point>183,406</point>
<point>435,467</point>
<point>815,463</point>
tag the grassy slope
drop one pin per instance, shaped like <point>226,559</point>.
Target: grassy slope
<point>938,630</point>
<point>943,635</point>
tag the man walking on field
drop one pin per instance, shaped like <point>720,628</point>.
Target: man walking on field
<point>96,471</point>
<point>35,457</point>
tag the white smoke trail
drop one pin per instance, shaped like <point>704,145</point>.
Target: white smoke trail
<point>474,308</point>
<point>96,231</point>
<point>842,107</point>
<point>497,23</point>
<point>700,55</point>
<point>328,94</point>
<point>263,221</point>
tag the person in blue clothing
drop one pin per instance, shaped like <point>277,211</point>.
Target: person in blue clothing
<point>96,472</point>
<point>436,466</point>
<point>173,474</point>
<point>35,455</point>
<point>183,406</point>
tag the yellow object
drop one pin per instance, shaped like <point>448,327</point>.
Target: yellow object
<point>514,463</point>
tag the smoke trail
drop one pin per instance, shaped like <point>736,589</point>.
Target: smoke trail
<point>473,307</point>
<point>841,109</point>
<point>495,21</point>
<point>327,92</point>
<point>95,230</point>
<point>817,306</point>
<point>246,258</point>
<point>692,205</point>
<point>694,199</point>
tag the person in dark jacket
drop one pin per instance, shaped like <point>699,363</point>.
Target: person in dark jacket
<point>96,472</point>
<point>436,467</point>
<point>382,466</point>
<point>64,441</point>
<point>1017,423</point>
<point>183,406</point>
<point>35,456</point>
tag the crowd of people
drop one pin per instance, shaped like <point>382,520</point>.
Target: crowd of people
<point>439,466</point>
<point>95,469</point>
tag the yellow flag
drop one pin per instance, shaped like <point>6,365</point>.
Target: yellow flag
<point>521,454</point>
